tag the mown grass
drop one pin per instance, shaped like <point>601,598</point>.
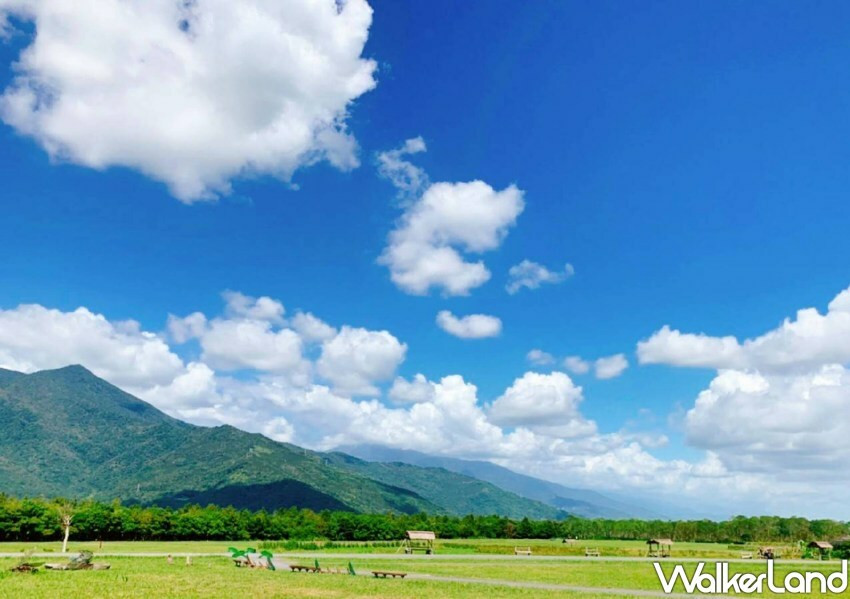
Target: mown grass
<point>447,546</point>
<point>621,575</point>
<point>218,578</point>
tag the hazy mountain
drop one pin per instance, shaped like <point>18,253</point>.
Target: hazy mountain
<point>581,502</point>
<point>69,433</point>
<point>451,491</point>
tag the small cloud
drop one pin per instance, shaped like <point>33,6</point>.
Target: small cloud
<point>576,364</point>
<point>532,275</point>
<point>409,179</point>
<point>610,367</point>
<point>540,357</point>
<point>474,326</point>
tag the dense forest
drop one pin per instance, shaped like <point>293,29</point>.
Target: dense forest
<point>40,520</point>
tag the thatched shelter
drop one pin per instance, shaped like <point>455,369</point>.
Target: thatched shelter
<point>422,540</point>
<point>659,547</point>
<point>820,548</point>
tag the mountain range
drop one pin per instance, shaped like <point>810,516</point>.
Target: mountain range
<point>68,433</point>
<point>580,502</point>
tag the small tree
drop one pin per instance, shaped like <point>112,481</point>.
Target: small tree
<point>66,515</point>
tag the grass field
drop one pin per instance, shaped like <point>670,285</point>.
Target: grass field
<point>449,546</point>
<point>469,559</point>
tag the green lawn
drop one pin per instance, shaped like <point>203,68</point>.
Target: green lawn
<point>450,546</point>
<point>213,578</point>
<point>624,575</point>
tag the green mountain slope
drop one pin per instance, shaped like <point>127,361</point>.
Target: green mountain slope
<point>68,433</point>
<point>581,502</point>
<point>453,492</point>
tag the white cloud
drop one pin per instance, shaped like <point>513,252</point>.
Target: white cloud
<point>473,326</point>
<point>809,341</point>
<point>357,358</point>
<point>186,328</point>
<point>673,347</point>
<point>426,248</point>
<point>417,390</point>
<point>538,357</point>
<point>771,440</point>
<point>188,92</point>
<point>312,329</point>
<point>543,403</point>
<point>768,417</point>
<point>279,429</point>
<point>239,305</point>
<point>33,337</point>
<point>776,423</point>
<point>576,365</point>
<point>532,275</point>
<point>238,344</point>
<point>409,179</point>
<point>610,367</point>
<point>194,387</point>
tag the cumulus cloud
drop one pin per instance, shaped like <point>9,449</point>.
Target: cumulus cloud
<point>239,305</point>
<point>808,341</point>
<point>770,439</point>
<point>473,326</point>
<point>311,328</point>
<point>417,390</point>
<point>538,357</point>
<point>33,337</point>
<point>770,423</point>
<point>238,344</point>
<point>769,413</point>
<point>195,93</point>
<point>610,367</point>
<point>532,275</point>
<point>576,365</point>
<point>447,220</point>
<point>542,402</point>
<point>356,358</point>
<point>186,328</point>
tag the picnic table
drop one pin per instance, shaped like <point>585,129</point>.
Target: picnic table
<point>384,574</point>
<point>297,568</point>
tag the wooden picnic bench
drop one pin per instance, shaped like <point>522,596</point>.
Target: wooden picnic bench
<point>384,574</point>
<point>746,555</point>
<point>591,552</point>
<point>297,568</point>
<point>522,550</point>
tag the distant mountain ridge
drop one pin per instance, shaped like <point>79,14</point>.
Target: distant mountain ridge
<point>581,502</point>
<point>68,433</point>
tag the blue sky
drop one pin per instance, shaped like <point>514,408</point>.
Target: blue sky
<point>689,160</point>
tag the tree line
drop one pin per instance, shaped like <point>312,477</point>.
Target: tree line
<point>38,519</point>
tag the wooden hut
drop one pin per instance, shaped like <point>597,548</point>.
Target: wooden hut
<point>822,549</point>
<point>421,540</point>
<point>659,547</point>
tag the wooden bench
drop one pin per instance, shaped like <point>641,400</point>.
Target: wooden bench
<point>746,555</point>
<point>383,574</point>
<point>522,550</point>
<point>297,568</point>
<point>591,552</point>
